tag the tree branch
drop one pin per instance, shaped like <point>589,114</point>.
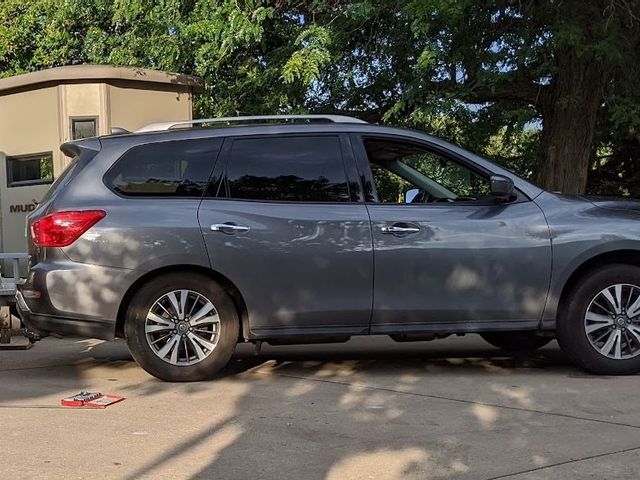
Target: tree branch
<point>510,88</point>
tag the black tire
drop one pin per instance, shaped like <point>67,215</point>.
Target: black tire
<point>571,333</point>
<point>142,352</point>
<point>516,341</point>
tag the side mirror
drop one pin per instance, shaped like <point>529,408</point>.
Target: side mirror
<point>501,187</point>
<point>411,195</point>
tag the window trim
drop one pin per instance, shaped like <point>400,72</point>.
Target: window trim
<point>29,183</point>
<point>356,197</point>
<point>96,122</point>
<point>371,197</point>
<point>214,164</point>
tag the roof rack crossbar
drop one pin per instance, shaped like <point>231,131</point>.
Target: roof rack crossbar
<point>163,126</point>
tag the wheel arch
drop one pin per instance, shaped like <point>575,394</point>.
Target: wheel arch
<point>224,282</point>
<point>625,256</point>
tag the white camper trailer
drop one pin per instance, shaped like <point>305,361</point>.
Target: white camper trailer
<point>41,110</point>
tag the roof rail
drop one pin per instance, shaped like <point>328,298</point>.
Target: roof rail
<point>163,126</point>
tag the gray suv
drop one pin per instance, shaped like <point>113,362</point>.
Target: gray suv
<point>186,241</point>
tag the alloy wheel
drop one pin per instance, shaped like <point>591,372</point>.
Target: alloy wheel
<point>612,321</point>
<point>182,327</point>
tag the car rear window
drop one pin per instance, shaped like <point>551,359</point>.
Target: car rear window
<point>63,179</point>
<point>165,169</point>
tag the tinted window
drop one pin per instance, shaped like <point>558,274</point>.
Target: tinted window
<point>298,169</point>
<point>62,179</point>
<point>168,169</point>
<point>33,169</point>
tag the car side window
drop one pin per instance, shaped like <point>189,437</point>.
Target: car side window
<point>408,173</point>
<point>291,169</point>
<point>165,169</point>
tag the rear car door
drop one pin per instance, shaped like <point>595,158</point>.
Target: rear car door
<point>282,220</point>
<point>448,255</point>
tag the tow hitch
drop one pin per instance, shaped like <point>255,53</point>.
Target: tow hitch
<point>13,336</point>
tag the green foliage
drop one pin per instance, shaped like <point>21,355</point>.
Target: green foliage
<point>46,168</point>
<point>305,64</point>
<point>482,74</point>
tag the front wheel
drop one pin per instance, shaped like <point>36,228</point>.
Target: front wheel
<point>515,341</point>
<point>182,327</point>
<point>599,323</point>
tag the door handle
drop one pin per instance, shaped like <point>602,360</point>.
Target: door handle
<point>229,228</point>
<point>399,230</point>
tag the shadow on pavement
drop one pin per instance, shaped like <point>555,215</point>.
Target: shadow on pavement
<point>60,367</point>
<point>366,409</point>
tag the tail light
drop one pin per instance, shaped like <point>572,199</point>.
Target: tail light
<point>61,229</point>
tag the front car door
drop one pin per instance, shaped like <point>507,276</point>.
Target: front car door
<point>284,222</point>
<point>448,255</point>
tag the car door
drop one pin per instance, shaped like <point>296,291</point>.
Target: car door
<point>454,258</point>
<point>284,222</point>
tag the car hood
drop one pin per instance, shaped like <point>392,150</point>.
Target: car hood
<point>614,203</point>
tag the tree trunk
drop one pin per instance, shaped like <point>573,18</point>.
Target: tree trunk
<point>569,112</point>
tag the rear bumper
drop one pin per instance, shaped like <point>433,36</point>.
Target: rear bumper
<point>75,299</point>
<point>23,308</point>
<point>43,325</point>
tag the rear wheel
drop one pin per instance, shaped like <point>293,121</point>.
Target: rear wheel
<point>182,327</point>
<point>516,341</point>
<point>599,322</point>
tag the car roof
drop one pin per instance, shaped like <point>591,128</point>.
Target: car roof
<point>245,129</point>
<point>270,129</point>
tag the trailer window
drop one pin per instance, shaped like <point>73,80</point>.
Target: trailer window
<point>32,169</point>
<point>83,128</point>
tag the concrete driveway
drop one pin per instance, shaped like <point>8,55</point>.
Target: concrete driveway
<point>371,408</point>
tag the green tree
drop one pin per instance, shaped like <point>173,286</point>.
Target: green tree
<point>520,63</point>
<point>539,85</point>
